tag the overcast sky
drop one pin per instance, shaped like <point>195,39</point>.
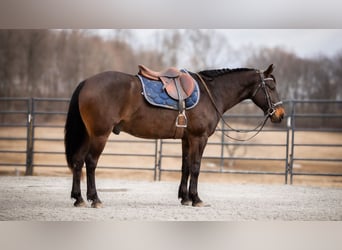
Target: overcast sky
<point>303,42</point>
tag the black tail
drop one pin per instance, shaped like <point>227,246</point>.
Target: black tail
<point>74,131</point>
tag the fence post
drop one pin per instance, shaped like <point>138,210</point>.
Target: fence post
<point>30,135</point>
<point>222,146</point>
<point>160,153</point>
<point>291,154</point>
<point>288,145</point>
<point>156,164</point>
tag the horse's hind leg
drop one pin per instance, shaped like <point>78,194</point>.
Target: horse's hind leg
<point>76,185</point>
<point>78,161</point>
<point>76,179</point>
<point>96,148</point>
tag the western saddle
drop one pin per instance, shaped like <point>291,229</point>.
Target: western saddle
<point>179,85</point>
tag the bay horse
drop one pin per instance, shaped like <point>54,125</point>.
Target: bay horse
<point>113,102</point>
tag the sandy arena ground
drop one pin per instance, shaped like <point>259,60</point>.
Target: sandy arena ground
<point>40,198</point>
<point>131,195</point>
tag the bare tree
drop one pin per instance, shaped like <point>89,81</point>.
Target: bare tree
<point>299,78</point>
<point>196,49</point>
<point>209,49</point>
<point>52,62</point>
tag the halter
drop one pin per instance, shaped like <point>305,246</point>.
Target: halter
<point>270,111</point>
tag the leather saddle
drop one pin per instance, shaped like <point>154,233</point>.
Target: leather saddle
<point>178,84</point>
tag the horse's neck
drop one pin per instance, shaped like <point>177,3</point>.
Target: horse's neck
<point>230,90</point>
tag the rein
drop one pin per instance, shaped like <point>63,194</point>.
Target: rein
<point>261,125</point>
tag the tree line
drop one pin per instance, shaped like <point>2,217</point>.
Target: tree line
<point>50,63</point>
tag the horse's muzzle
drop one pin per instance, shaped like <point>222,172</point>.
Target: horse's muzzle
<point>278,114</point>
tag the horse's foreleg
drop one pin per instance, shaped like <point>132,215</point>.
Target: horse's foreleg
<point>197,146</point>
<point>91,163</point>
<point>183,187</point>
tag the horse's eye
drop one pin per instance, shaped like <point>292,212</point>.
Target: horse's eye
<point>271,85</point>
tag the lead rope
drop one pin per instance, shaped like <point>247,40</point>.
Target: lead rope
<point>258,128</point>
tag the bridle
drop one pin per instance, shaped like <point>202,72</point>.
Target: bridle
<point>262,85</point>
<point>270,110</point>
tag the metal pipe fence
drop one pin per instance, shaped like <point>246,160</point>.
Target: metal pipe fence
<point>325,122</point>
<point>308,143</point>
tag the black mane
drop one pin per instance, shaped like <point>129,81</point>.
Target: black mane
<point>219,72</point>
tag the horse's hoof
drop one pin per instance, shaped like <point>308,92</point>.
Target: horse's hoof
<point>186,202</point>
<point>80,204</point>
<point>96,204</point>
<point>200,204</point>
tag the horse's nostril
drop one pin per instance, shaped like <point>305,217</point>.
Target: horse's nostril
<point>280,113</point>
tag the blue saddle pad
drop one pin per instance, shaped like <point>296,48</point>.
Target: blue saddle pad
<point>156,95</point>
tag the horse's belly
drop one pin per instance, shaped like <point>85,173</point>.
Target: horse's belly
<point>151,127</point>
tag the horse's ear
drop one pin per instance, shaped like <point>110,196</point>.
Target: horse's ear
<point>269,70</point>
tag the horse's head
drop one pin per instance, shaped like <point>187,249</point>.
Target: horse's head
<point>266,97</point>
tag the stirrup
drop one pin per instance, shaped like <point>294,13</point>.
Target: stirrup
<point>181,120</point>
